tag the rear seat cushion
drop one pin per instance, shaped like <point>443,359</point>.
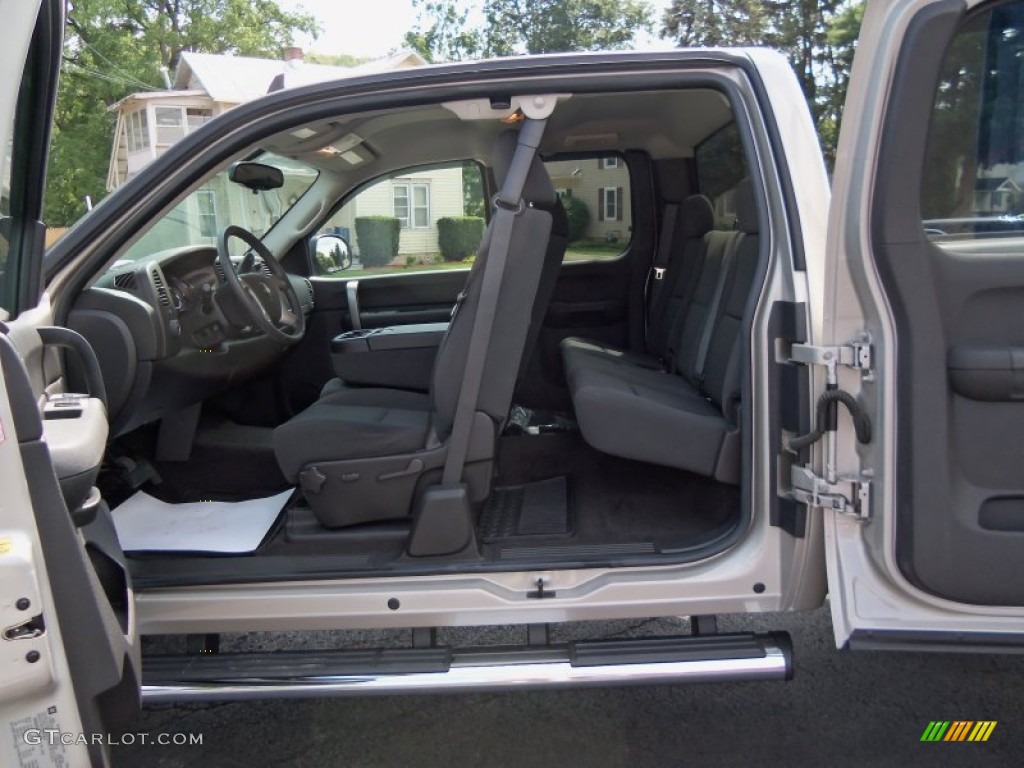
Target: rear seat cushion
<point>678,419</point>
<point>649,416</point>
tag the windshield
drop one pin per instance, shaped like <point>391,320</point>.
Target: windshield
<point>200,217</point>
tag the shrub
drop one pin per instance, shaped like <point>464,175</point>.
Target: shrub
<point>459,237</point>
<point>378,239</point>
<point>579,217</point>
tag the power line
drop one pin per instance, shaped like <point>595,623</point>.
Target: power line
<point>129,78</point>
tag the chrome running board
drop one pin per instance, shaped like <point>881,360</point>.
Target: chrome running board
<point>687,659</point>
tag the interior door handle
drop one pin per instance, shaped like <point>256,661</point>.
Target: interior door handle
<point>991,374</point>
<point>52,336</point>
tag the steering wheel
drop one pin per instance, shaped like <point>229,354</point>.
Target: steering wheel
<point>270,301</point>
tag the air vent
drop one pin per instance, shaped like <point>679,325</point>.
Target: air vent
<point>125,281</point>
<point>161,288</point>
<point>265,269</point>
<point>221,277</point>
<point>309,291</point>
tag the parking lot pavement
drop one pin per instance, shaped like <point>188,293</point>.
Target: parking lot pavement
<point>842,709</point>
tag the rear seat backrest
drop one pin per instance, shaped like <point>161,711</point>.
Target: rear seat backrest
<point>688,329</point>
<point>695,219</point>
<point>721,376</point>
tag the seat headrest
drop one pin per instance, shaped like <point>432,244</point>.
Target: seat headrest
<point>698,216</point>
<point>538,188</point>
<point>746,207</point>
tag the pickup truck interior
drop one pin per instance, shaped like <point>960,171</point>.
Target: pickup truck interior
<point>610,424</point>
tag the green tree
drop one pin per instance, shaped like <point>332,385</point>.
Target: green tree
<point>693,23</point>
<point>451,30</point>
<point>843,31</point>
<point>442,31</point>
<point>116,47</point>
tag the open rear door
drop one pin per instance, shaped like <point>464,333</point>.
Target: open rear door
<point>925,299</point>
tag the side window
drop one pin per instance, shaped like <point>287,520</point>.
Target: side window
<point>595,191</point>
<point>419,219</point>
<point>973,185</point>
<point>721,165</point>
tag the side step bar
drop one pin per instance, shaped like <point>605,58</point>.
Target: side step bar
<point>684,659</point>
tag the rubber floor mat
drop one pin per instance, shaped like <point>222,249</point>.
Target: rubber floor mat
<point>534,509</point>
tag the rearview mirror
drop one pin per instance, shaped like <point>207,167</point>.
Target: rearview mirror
<point>256,176</point>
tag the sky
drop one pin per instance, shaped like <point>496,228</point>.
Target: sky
<point>373,28</point>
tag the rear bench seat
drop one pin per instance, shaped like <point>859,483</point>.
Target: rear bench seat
<point>679,410</point>
<point>695,219</point>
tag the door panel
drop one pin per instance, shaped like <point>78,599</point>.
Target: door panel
<point>927,240</point>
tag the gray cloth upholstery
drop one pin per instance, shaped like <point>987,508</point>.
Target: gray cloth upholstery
<point>654,418</point>
<point>686,260</point>
<point>696,217</point>
<point>369,423</point>
<point>680,415</point>
<point>353,423</point>
<point>517,303</point>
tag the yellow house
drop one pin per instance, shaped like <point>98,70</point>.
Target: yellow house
<point>603,184</point>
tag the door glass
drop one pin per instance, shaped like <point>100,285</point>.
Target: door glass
<point>595,193</point>
<point>973,185</point>
<point>420,219</point>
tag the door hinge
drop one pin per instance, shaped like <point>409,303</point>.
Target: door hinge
<point>854,355</point>
<point>850,497</point>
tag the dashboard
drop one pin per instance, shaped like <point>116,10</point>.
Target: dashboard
<point>169,335</point>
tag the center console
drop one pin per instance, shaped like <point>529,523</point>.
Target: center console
<point>401,356</point>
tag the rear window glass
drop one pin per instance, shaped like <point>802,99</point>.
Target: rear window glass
<point>596,193</point>
<point>721,165</point>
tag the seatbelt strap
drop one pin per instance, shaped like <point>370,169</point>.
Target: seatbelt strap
<point>662,256</point>
<point>716,302</point>
<point>508,204</point>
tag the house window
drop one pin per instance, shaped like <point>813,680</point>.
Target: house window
<point>137,127</point>
<point>206,200</point>
<point>607,163</point>
<point>196,118</point>
<point>412,205</point>
<point>609,204</point>
<point>174,123</point>
<point>401,206</point>
<point>170,125</point>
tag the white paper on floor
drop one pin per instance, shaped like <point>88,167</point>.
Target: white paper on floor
<point>145,523</point>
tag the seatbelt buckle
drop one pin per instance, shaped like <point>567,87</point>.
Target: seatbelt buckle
<point>659,273</point>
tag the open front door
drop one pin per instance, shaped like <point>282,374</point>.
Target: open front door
<point>925,267</point>
<point>68,653</point>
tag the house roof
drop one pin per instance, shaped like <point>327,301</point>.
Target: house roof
<point>998,183</point>
<point>237,79</point>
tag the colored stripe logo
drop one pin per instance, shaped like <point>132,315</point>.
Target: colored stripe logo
<point>959,730</point>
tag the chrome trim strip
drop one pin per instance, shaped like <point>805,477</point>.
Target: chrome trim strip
<point>352,297</point>
<point>483,670</point>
